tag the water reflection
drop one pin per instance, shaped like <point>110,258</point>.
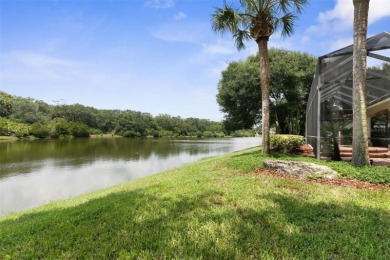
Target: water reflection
<point>33,173</point>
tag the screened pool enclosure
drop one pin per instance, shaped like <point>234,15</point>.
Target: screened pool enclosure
<point>329,108</point>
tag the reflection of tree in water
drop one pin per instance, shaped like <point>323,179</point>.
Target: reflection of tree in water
<point>27,156</point>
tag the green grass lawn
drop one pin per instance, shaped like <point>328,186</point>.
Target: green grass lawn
<point>212,209</point>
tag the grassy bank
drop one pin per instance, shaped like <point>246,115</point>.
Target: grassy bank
<point>215,208</point>
<point>8,138</point>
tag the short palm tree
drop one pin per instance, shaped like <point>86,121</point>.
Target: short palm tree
<point>258,20</point>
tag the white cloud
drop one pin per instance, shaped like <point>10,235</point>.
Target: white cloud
<point>182,32</point>
<point>208,53</point>
<point>160,4</point>
<point>305,39</point>
<point>341,16</point>
<point>34,65</point>
<point>219,48</point>
<point>340,43</point>
<point>378,10</point>
<point>180,15</point>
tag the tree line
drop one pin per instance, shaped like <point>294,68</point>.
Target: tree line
<point>22,117</point>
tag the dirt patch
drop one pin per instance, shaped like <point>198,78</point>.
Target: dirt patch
<point>343,182</point>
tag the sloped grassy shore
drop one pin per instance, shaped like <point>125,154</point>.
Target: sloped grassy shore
<point>212,209</point>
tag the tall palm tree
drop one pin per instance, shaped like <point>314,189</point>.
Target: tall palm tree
<point>360,131</point>
<point>258,20</point>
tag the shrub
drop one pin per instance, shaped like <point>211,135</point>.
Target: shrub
<point>21,130</point>
<point>244,133</point>
<point>39,130</point>
<point>59,127</point>
<point>131,133</point>
<point>8,127</point>
<point>286,143</point>
<point>3,126</point>
<point>79,130</point>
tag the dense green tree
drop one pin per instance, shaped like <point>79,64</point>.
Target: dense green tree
<point>238,95</point>
<point>5,104</point>
<point>291,78</point>
<point>76,113</point>
<point>28,110</point>
<point>133,123</point>
<point>60,128</point>
<point>81,121</point>
<point>258,20</point>
<point>77,129</point>
<point>359,91</point>
<point>106,120</point>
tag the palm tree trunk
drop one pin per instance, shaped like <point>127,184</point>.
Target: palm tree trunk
<point>360,131</point>
<point>264,78</point>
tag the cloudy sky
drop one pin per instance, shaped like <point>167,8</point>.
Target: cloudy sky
<point>156,56</point>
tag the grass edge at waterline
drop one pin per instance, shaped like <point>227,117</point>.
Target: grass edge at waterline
<point>213,208</point>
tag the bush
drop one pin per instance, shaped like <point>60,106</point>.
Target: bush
<point>286,143</point>
<point>131,133</point>
<point>59,127</point>
<point>244,133</point>
<point>3,126</point>
<point>7,127</point>
<point>79,130</point>
<point>39,130</point>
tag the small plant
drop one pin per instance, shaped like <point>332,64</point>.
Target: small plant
<point>286,143</point>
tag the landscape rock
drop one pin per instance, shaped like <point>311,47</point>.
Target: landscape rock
<point>302,170</point>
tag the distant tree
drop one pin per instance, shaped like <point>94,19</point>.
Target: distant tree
<point>76,113</point>
<point>81,121</point>
<point>383,69</point>
<point>360,132</point>
<point>106,120</point>
<point>134,123</point>
<point>61,128</point>
<point>26,110</point>
<point>40,130</point>
<point>5,104</point>
<point>77,129</point>
<point>258,20</point>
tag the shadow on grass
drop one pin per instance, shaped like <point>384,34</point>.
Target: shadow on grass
<point>318,231</point>
<point>148,224</point>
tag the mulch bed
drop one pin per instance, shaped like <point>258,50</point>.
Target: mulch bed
<point>343,182</point>
<point>306,150</point>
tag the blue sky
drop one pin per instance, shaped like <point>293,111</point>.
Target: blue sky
<point>155,56</point>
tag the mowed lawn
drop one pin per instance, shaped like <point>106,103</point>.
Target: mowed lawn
<point>217,208</point>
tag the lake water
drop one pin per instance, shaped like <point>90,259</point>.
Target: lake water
<point>33,173</point>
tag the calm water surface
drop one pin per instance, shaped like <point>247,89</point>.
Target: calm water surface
<point>33,173</point>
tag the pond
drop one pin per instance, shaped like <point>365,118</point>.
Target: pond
<point>33,173</point>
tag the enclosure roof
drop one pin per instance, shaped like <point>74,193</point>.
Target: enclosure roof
<point>335,72</point>
<point>378,42</point>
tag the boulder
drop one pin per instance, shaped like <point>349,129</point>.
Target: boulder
<point>302,170</point>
